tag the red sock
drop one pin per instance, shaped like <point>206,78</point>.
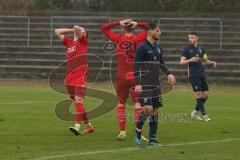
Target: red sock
<point>79,109</point>
<point>137,112</point>
<point>81,114</point>
<point>84,116</point>
<point>121,116</point>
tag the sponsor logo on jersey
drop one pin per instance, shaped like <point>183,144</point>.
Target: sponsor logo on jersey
<point>71,49</point>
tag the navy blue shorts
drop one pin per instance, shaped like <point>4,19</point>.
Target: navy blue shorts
<point>151,95</point>
<point>199,83</point>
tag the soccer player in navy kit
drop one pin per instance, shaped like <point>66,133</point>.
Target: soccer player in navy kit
<point>148,61</point>
<point>194,55</point>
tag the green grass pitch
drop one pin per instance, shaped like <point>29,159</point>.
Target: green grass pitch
<point>29,129</point>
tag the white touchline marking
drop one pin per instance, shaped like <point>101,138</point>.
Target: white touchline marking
<point>13,103</point>
<point>200,142</point>
<point>26,102</point>
<point>130,149</point>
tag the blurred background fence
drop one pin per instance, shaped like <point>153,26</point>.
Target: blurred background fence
<point>29,48</point>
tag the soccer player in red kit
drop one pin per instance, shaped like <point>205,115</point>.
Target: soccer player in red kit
<point>77,68</point>
<point>126,42</point>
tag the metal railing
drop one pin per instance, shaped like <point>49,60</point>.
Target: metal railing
<point>64,21</point>
<point>12,24</point>
<point>219,20</point>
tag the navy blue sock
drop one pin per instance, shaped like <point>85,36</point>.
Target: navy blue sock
<point>197,108</point>
<point>142,118</point>
<point>204,100</point>
<point>153,123</point>
<point>200,105</point>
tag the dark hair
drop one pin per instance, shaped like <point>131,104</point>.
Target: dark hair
<point>128,28</point>
<point>86,32</point>
<point>152,25</point>
<point>193,33</point>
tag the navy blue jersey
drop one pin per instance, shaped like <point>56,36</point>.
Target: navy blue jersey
<point>148,61</point>
<point>195,69</point>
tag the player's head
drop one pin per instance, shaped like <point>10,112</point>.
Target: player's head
<point>193,38</point>
<point>153,30</point>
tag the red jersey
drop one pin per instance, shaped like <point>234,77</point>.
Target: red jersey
<point>76,55</point>
<point>126,46</point>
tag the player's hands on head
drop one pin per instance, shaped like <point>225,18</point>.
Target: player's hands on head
<point>125,22</point>
<point>122,23</point>
<point>138,88</point>
<point>78,28</point>
<point>134,24</point>
<point>171,79</point>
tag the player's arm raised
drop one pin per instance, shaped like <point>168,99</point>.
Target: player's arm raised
<point>139,24</point>
<point>60,32</point>
<point>109,33</point>
<point>143,34</point>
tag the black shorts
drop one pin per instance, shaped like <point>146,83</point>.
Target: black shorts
<point>199,83</point>
<point>151,95</point>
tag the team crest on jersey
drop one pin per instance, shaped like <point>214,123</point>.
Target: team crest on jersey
<point>196,87</point>
<point>155,58</point>
<point>71,49</point>
<point>145,100</point>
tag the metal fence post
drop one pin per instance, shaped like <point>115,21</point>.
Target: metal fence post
<point>221,34</point>
<point>51,30</point>
<point>28,39</point>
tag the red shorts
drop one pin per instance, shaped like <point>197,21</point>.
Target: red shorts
<point>76,85</point>
<point>125,85</point>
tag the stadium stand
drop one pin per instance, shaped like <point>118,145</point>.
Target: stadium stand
<point>30,50</point>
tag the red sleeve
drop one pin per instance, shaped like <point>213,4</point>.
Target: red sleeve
<point>67,41</point>
<point>141,36</point>
<point>106,29</point>
<point>84,39</point>
<point>142,25</point>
